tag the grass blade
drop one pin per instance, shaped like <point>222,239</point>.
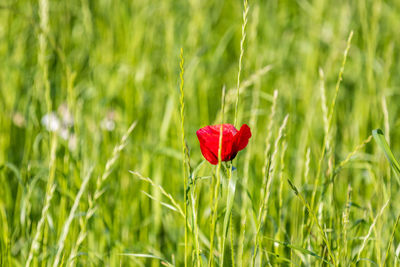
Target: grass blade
<point>298,248</point>
<point>229,200</point>
<point>163,261</point>
<point>229,204</point>
<point>383,144</point>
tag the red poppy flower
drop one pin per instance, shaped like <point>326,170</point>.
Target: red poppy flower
<point>232,141</point>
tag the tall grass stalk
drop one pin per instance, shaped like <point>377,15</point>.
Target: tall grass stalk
<point>315,219</point>
<point>371,228</point>
<point>195,226</point>
<point>246,170</point>
<point>232,235</point>
<point>99,191</point>
<point>35,245</point>
<point>35,242</point>
<point>271,122</point>
<point>185,170</point>
<point>324,107</point>
<point>67,224</point>
<point>386,119</point>
<point>345,222</point>
<point>44,83</point>
<point>265,197</point>
<point>215,198</point>
<point>327,136</point>
<point>306,177</point>
<point>391,241</point>
<point>280,191</point>
<point>231,94</point>
<point>42,55</point>
<point>245,12</point>
<point>330,152</point>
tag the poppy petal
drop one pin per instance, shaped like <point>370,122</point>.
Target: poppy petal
<point>242,137</point>
<point>228,148</point>
<point>227,129</point>
<point>208,154</point>
<point>208,143</point>
<point>208,137</point>
<point>232,141</point>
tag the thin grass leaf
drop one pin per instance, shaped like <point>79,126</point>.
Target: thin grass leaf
<point>15,170</point>
<point>66,227</point>
<point>163,261</point>
<point>391,240</point>
<point>357,223</point>
<point>162,203</point>
<point>353,204</point>
<point>197,169</point>
<point>229,201</point>
<point>382,143</point>
<point>369,260</point>
<point>280,258</point>
<point>371,228</point>
<point>168,195</point>
<point>314,217</point>
<point>298,248</point>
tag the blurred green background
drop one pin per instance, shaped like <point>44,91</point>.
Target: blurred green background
<point>101,65</point>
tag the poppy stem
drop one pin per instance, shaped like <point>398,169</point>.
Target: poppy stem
<point>214,213</point>
<point>230,222</point>
<point>228,213</point>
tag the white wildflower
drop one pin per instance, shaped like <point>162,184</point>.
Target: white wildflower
<point>64,133</point>
<point>66,115</point>
<point>51,122</point>
<point>107,124</point>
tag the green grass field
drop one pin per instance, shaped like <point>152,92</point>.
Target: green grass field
<point>95,169</point>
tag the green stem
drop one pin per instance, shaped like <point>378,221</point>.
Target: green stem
<point>185,174</point>
<point>214,209</point>
<point>227,212</point>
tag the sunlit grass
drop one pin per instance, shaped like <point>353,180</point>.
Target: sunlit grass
<point>99,160</point>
